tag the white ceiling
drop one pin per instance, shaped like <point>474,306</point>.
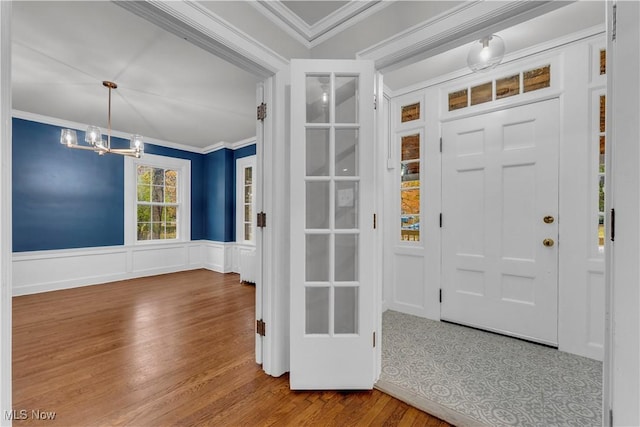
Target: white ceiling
<point>170,90</point>
<point>566,20</point>
<point>313,11</point>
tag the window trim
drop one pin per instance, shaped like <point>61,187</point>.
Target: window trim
<point>241,164</point>
<point>183,166</point>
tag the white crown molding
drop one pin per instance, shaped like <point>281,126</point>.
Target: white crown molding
<point>530,52</point>
<point>229,145</point>
<point>205,29</point>
<point>25,115</point>
<point>82,126</point>
<point>244,143</point>
<point>332,24</point>
<point>462,24</point>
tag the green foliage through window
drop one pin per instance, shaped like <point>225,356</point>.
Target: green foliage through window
<point>157,203</point>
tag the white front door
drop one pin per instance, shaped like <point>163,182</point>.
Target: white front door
<point>332,244</point>
<point>500,225</point>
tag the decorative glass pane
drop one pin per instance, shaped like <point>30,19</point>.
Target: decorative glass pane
<point>144,193</point>
<point>347,152</point>
<point>346,258</point>
<point>603,61</point>
<point>601,194</point>
<point>157,230</point>
<point>603,113</point>
<point>602,158</point>
<point>247,232</point>
<point>410,174</point>
<point>156,213</point>
<point>172,214</point>
<point>410,112</point>
<point>248,175</point>
<point>482,93</point>
<point>317,258</point>
<point>158,176</point>
<point>410,228</point>
<point>538,78</point>
<point>508,86</point>
<point>346,205</point>
<point>144,213</point>
<point>171,231</point>
<point>247,212</point>
<point>170,178</point>
<point>144,231</point>
<point>247,194</point>
<point>600,230</point>
<point>317,205</point>
<point>410,201</point>
<point>411,147</point>
<point>171,194</point>
<point>458,99</point>
<point>144,174</point>
<point>157,193</point>
<point>316,310</point>
<point>346,99</point>
<point>318,98</point>
<point>317,152</point>
<point>345,315</point>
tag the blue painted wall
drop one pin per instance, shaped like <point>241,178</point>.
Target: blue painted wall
<point>65,199</point>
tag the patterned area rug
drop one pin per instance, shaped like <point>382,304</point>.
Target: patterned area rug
<point>471,377</point>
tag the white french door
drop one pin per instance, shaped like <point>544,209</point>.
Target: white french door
<point>332,244</point>
<point>500,225</point>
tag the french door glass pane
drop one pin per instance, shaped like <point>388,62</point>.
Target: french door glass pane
<point>346,99</point>
<point>317,258</point>
<point>318,98</point>
<point>346,204</point>
<point>345,310</point>
<point>346,257</point>
<point>317,205</point>
<point>317,152</point>
<point>317,310</point>
<point>347,152</point>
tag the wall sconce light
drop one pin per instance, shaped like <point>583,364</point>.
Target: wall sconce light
<point>486,53</point>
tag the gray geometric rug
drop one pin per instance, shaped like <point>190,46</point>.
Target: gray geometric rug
<point>470,377</point>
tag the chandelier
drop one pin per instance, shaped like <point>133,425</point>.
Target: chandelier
<point>93,136</point>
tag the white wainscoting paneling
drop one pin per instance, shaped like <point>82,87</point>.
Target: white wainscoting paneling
<point>44,271</point>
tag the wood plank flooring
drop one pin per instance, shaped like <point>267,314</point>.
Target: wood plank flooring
<point>170,350</point>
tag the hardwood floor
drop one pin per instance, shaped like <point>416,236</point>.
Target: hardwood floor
<point>176,349</point>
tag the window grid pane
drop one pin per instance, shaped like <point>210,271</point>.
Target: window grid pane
<point>410,188</point>
<point>157,203</point>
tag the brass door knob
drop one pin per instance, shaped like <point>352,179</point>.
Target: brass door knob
<point>548,219</point>
<point>548,242</point>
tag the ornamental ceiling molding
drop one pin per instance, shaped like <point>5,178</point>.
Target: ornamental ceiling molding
<point>332,24</point>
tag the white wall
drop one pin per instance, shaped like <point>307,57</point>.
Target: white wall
<point>43,271</point>
<point>413,279</point>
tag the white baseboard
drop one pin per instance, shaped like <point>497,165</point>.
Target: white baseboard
<point>44,271</point>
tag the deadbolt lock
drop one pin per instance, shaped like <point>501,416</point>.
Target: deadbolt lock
<point>548,219</point>
<point>548,242</point>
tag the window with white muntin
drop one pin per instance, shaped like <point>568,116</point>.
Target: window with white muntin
<point>157,199</point>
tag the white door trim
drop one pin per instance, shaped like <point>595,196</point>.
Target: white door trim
<point>5,212</point>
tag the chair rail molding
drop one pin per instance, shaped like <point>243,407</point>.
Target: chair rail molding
<point>44,271</point>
